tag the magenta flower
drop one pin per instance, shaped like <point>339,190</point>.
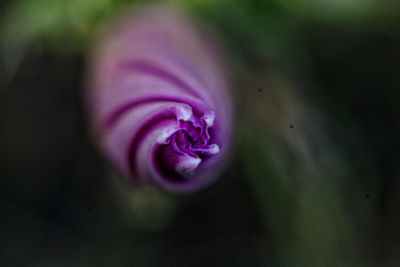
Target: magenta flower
<point>159,102</point>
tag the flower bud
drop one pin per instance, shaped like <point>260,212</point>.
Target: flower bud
<point>158,100</point>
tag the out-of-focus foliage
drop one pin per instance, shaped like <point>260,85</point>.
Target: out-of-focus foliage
<point>297,175</point>
<point>344,11</point>
<point>59,23</point>
<point>64,26</point>
<point>258,31</point>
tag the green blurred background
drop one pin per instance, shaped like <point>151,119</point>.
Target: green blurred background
<point>315,179</point>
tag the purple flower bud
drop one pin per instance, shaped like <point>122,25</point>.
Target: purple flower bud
<point>158,101</point>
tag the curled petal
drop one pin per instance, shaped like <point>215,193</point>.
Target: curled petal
<point>158,101</point>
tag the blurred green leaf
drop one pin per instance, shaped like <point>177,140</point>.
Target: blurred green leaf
<point>56,22</point>
<point>297,173</point>
<point>256,31</point>
<point>343,11</point>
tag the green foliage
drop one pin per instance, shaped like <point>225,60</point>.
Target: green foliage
<point>297,174</point>
<point>56,22</point>
<point>257,31</point>
<point>342,11</point>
